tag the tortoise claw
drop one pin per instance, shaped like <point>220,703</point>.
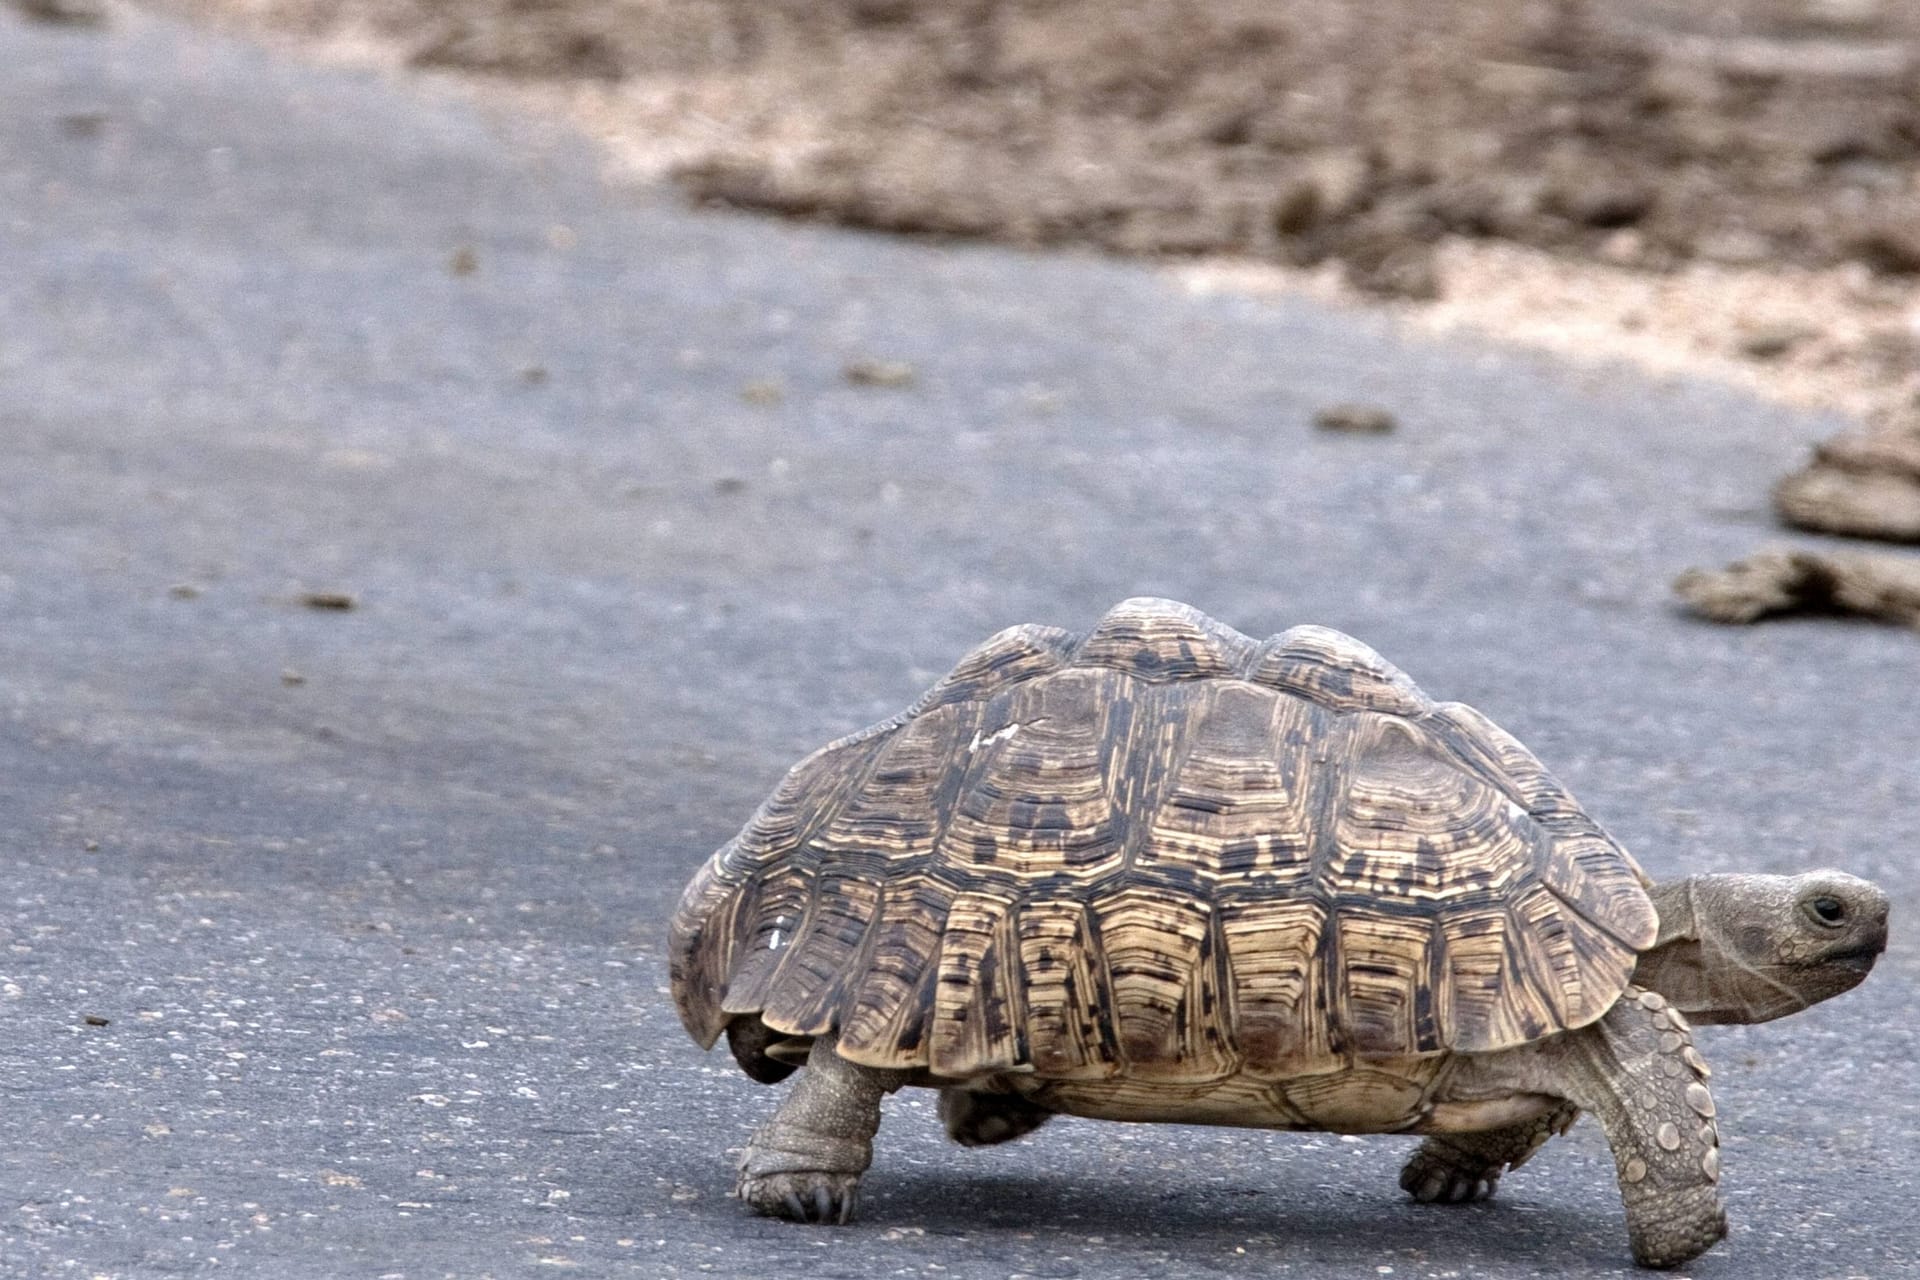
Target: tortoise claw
<point>1432,1181</point>
<point>817,1197</point>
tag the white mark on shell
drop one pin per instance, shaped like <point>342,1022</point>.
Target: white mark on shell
<point>1668,1136</point>
<point>998,735</point>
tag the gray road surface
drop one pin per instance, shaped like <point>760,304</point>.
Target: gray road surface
<point>371,902</point>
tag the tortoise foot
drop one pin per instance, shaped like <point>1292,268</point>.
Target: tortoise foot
<point>813,1196</point>
<point>987,1119</point>
<point>1679,1231</point>
<point>1431,1178</point>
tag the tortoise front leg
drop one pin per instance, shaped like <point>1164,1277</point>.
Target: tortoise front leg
<point>805,1163</point>
<point>1637,1070</point>
<point>1450,1168</point>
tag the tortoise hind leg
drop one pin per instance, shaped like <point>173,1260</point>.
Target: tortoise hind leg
<point>805,1163</point>
<point>986,1119</point>
<point>1450,1168</point>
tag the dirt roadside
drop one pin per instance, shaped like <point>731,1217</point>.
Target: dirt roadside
<point>1727,188</point>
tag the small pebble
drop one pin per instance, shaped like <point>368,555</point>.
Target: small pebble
<point>77,13</point>
<point>879,373</point>
<point>84,124</point>
<point>339,601</point>
<point>1356,419</point>
<point>1771,341</point>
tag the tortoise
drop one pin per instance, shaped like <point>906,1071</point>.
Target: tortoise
<point>1164,872</point>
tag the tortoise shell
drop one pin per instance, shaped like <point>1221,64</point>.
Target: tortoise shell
<point>1166,851</point>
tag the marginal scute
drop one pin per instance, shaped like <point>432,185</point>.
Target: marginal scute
<point>883,1024</point>
<point>1070,1034</point>
<point>1482,982</point>
<point>1387,962</point>
<point>779,916</point>
<point>1163,967</point>
<point>700,948</point>
<point>809,987</point>
<point>1278,982</point>
<point>978,1015</point>
<point>1164,857</point>
<point>1580,969</point>
<point>1595,877</point>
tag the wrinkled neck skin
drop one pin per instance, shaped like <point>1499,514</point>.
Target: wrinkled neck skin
<point>1746,948</point>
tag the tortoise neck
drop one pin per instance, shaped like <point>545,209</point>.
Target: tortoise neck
<point>1684,959</point>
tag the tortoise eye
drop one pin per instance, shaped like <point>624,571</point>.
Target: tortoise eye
<point>1828,911</point>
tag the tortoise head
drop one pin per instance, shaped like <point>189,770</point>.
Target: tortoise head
<point>1751,948</point>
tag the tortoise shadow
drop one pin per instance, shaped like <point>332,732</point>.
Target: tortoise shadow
<point>1333,1222</point>
<point>1116,1223</point>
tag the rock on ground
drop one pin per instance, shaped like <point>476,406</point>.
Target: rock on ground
<point>1773,583</point>
<point>1860,483</point>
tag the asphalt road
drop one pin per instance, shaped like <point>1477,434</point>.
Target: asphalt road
<point>332,939</point>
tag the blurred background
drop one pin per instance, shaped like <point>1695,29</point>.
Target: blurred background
<point>1727,187</point>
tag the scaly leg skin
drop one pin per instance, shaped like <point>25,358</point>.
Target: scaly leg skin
<point>1637,1070</point>
<point>805,1163</point>
<point>1452,1168</point>
<point>986,1119</point>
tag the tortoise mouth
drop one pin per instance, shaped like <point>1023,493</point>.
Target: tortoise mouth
<point>1858,959</point>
